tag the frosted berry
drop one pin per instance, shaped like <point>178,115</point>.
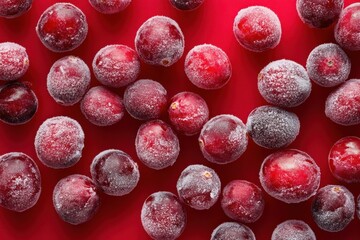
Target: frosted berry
<point>208,67</point>
<point>76,199</point>
<point>257,28</point>
<point>62,27</point>
<point>20,183</point>
<point>232,231</point>
<point>14,61</point>
<point>199,186</point>
<point>159,41</point>
<point>14,8</point>
<point>358,206</point>
<point>109,6</point>
<point>186,5</point>
<point>291,176</point>
<point>68,80</point>
<point>116,65</point>
<point>293,229</point>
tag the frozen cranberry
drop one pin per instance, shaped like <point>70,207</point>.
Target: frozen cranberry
<point>257,28</point>
<point>160,41</point>
<point>272,127</point>
<point>186,4</point>
<point>145,99</point>
<point>14,8</point>
<point>102,107</point>
<point>59,142</point>
<point>358,207</point>
<point>163,216</point>
<point>199,186</point>
<point>188,112</point>
<point>68,80</point>
<point>20,182</point>
<point>115,172</point>
<point>347,29</point>
<point>62,27</point>
<point>328,65</point>
<point>76,199</point>
<point>284,83</point>
<point>290,176</point>
<point>319,13</point>
<point>116,65</point>
<point>232,230</point>
<point>109,6</point>
<point>14,61</point>
<point>223,139</point>
<point>208,67</point>
<point>293,229</point>
<point>242,201</point>
<point>156,144</point>
<point>343,104</point>
<point>18,103</point>
<point>333,208</point>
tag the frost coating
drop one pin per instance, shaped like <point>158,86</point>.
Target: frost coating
<point>186,5</point>
<point>232,231</point>
<point>14,8</point>
<point>109,6</point>
<point>14,61</point>
<point>293,230</point>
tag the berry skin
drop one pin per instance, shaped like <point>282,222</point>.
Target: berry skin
<point>186,5</point>
<point>109,6</point>
<point>14,8</point>
<point>293,229</point>
<point>14,61</point>
<point>232,231</point>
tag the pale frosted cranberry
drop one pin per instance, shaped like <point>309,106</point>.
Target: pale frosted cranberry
<point>257,28</point>
<point>115,172</point>
<point>223,139</point>
<point>328,65</point>
<point>186,4</point>
<point>188,112</point>
<point>102,107</point>
<point>20,182</point>
<point>284,83</point>
<point>293,229</point>
<point>291,176</point>
<point>62,27</point>
<point>163,216</point>
<point>358,207</point>
<point>232,231</point>
<point>14,61</point>
<point>333,208</point>
<point>160,41</point>
<point>199,186</point>
<point>109,6</point>
<point>14,8</point>
<point>116,65</point>
<point>156,144</point>
<point>76,199</point>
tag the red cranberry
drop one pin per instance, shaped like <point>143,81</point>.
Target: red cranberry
<point>109,6</point>
<point>284,83</point>
<point>333,208</point>
<point>14,8</point>
<point>115,172</point>
<point>293,229</point>
<point>347,29</point>
<point>76,199</point>
<point>18,103</point>
<point>188,112</point>
<point>186,4</point>
<point>62,27</point>
<point>156,145</point>
<point>14,61</point>
<point>159,41</point>
<point>102,107</point>
<point>343,104</point>
<point>328,65</point>
<point>116,65</point>
<point>232,230</point>
<point>199,186</point>
<point>319,13</point>
<point>242,201</point>
<point>208,67</point>
<point>20,183</point>
<point>257,28</point>
<point>290,176</point>
<point>68,80</point>
<point>223,139</point>
<point>145,99</point>
<point>163,216</point>
<point>358,207</point>
<point>59,142</point>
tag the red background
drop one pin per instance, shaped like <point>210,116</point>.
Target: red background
<point>119,217</point>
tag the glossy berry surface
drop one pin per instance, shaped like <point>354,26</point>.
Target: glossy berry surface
<point>14,8</point>
<point>293,229</point>
<point>163,216</point>
<point>109,6</point>
<point>208,67</point>
<point>14,61</point>
<point>257,28</point>
<point>115,172</point>
<point>199,186</point>
<point>76,199</point>
<point>333,208</point>
<point>62,27</point>
<point>291,176</point>
<point>186,5</point>
<point>232,230</point>
<point>20,182</point>
<point>188,112</point>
